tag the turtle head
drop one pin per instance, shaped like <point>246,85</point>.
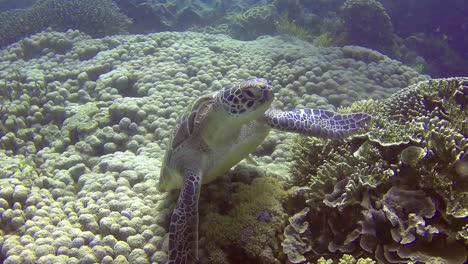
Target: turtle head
<point>246,99</point>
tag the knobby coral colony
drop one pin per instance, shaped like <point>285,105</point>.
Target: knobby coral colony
<point>97,19</point>
<point>367,24</point>
<point>83,124</point>
<point>402,186</point>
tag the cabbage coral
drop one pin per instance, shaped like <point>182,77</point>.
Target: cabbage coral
<point>399,206</point>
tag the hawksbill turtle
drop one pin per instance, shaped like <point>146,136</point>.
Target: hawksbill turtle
<point>216,132</point>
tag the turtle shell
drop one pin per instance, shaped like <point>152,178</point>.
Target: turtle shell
<point>189,122</point>
<point>188,125</point>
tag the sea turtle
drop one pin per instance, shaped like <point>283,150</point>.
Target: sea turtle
<point>216,132</point>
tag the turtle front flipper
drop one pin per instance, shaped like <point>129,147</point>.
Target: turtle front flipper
<point>316,122</point>
<point>183,229</point>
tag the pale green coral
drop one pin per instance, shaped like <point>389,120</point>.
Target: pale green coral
<point>96,186</point>
<point>385,131</point>
<point>439,105</point>
<point>79,119</point>
<point>365,261</point>
<point>412,155</point>
<point>322,260</point>
<point>346,259</point>
<point>251,225</point>
<point>324,40</point>
<point>323,165</point>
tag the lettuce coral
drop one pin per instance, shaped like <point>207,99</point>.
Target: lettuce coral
<point>400,206</point>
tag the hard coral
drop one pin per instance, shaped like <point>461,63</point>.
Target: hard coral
<point>367,24</point>
<point>247,232</point>
<point>398,208</point>
<point>254,22</point>
<point>95,18</point>
<point>93,186</point>
<point>287,27</point>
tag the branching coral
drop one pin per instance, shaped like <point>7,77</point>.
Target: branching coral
<point>440,107</point>
<point>287,27</point>
<point>324,40</point>
<point>403,193</point>
<point>252,23</point>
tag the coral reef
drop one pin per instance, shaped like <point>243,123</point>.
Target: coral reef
<point>84,122</point>
<point>287,27</point>
<point>245,225</point>
<point>401,184</point>
<point>432,45</point>
<point>440,58</point>
<point>324,40</point>
<point>97,19</point>
<point>244,20</point>
<point>252,23</point>
<point>448,34</point>
<point>8,4</point>
<point>311,14</point>
<point>156,16</point>
<point>365,23</point>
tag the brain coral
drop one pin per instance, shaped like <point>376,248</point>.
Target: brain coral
<point>85,122</point>
<point>401,185</point>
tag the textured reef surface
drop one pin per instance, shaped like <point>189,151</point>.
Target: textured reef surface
<point>84,123</point>
<point>430,37</point>
<point>401,186</point>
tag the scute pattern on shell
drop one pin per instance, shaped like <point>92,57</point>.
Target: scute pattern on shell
<point>190,121</point>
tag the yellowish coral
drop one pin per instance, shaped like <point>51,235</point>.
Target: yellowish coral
<point>251,225</point>
<point>324,40</point>
<point>346,259</point>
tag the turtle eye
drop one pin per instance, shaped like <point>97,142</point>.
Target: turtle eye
<point>249,93</point>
